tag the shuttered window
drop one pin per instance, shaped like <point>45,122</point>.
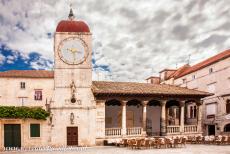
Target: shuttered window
<point>210,110</point>
<point>34,130</point>
<point>22,85</point>
<point>38,95</point>
<point>192,111</point>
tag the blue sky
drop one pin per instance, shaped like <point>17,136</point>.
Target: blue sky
<point>131,39</point>
<point>15,60</point>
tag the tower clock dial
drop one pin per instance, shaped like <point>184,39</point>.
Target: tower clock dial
<point>73,50</point>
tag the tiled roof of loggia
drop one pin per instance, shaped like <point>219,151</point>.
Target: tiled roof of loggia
<point>104,87</point>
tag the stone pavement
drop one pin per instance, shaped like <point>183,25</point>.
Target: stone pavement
<point>189,149</point>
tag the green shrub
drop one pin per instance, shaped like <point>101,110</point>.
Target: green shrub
<point>23,112</point>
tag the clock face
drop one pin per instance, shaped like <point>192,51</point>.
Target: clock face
<point>73,51</point>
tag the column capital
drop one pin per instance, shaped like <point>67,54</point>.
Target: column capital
<point>124,102</point>
<point>100,101</point>
<point>182,103</point>
<point>144,103</point>
<point>163,102</point>
<point>199,103</point>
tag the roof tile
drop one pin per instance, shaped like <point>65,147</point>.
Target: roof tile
<point>27,74</point>
<point>205,63</point>
<point>104,87</point>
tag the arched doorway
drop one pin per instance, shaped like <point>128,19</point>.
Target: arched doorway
<point>191,112</point>
<point>227,128</point>
<point>173,113</point>
<point>153,118</point>
<point>113,114</point>
<point>134,112</point>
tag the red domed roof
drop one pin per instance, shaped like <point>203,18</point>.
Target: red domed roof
<point>72,26</point>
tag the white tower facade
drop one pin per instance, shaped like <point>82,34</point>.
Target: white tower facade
<point>74,108</point>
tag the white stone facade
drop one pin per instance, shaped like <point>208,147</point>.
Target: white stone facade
<point>84,109</point>
<point>214,78</point>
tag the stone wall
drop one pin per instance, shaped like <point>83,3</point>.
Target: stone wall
<point>26,140</point>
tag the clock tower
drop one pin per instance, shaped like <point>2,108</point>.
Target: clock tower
<point>73,108</point>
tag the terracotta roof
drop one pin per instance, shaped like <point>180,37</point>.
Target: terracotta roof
<point>103,87</point>
<point>179,71</point>
<point>167,69</point>
<point>72,26</point>
<point>27,74</point>
<point>205,63</point>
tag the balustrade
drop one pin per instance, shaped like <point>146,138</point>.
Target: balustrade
<point>134,131</point>
<point>190,128</point>
<point>173,129</point>
<point>112,131</point>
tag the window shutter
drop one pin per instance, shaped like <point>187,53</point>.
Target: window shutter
<point>34,130</point>
<point>211,109</point>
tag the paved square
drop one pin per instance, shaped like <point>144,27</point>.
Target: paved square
<point>189,149</point>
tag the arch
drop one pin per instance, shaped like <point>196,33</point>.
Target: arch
<point>134,102</point>
<point>172,103</point>
<point>153,118</point>
<point>113,114</point>
<point>154,103</point>
<point>227,128</point>
<point>191,112</point>
<point>134,114</point>
<point>191,100</point>
<point>173,112</point>
<point>113,102</point>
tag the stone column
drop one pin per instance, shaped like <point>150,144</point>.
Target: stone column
<point>199,117</point>
<point>182,104</point>
<point>123,125</point>
<point>100,119</point>
<point>144,104</point>
<point>163,118</point>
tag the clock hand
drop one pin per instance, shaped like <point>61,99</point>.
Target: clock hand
<point>73,50</point>
<point>74,56</point>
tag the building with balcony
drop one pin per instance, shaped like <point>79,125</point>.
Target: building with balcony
<point>211,75</point>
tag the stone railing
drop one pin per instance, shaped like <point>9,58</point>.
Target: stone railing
<point>190,128</point>
<point>173,129</point>
<point>112,131</point>
<point>134,131</point>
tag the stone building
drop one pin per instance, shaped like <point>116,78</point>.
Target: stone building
<point>85,112</point>
<point>211,75</point>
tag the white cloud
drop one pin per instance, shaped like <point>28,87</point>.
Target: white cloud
<point>41,63</point>
<point>11,59</point>
<point>2,59</point>
<point>135,38</point>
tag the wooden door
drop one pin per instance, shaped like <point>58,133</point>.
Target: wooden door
<point>129,119</point>
<point>12,135</point>
<point>72,136</point>
<point>211,130</point>
<point>119,119</point>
